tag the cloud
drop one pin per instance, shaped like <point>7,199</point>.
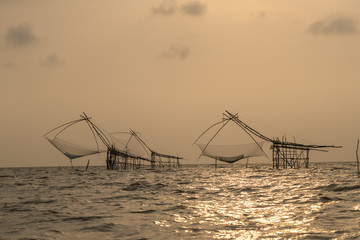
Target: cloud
<point>260,15</point>
<point>8,65</point>
<point>334,25</point>
<point>166,8</point>
<point>176,51</point>
<point>52,60</point>
<point>170,7</point>
<point>20,35</point>
<point>194,8</point>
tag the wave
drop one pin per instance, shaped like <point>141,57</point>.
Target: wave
<point>22,184</point>
<point>63,187</point>
<point>38,201</point>
<point>326,199</point>
<point>177,207</point>
<point>106,227</point>
<point>7,176</point>
<point>82,218</point>
<point>193,203</point>
<point>346,188</point>
<point>336,188</point>
<point>180,191</point>
<point>137,186</point>
<point>329,187</point>
<point>184,182</point>
<point>18,209</point>
<point>244,189</point>
<point>111,183</point>
<point>144,211</point>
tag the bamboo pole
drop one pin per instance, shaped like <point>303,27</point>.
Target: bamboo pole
<point>209,129</point>
<point>87,165</point>
<point>357,155</point>
<point>214,136</point>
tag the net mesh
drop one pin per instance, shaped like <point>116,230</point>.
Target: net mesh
<point>127,143</point>
<point>72,150</point>
<point>232,153</point>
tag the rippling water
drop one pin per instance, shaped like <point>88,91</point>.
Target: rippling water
<point>195,201</point>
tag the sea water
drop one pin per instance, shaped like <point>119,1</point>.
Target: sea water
<point>191,202</point>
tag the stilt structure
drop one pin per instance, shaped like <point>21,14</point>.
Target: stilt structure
<point>156,157</point>
<point>125,159</point>
<point>117,157</point>
<point>285,154</point>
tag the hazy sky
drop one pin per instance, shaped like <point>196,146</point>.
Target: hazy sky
<point>170,68</point>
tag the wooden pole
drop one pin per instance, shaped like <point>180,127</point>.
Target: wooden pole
<point>307,158</point>
<point>357,155</point>
<point>87,165</point>
<point>214,136</point>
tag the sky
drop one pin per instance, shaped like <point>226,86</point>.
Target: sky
<point>170,68</point>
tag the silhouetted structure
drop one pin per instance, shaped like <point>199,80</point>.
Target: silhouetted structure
<point>123,159</point>
<point>119,155</point>
<point>284,154</point>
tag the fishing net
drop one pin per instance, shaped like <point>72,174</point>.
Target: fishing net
<point>126,142</point>
<point>78,138</point>
<point>72,150</point>
<point>232,153</point>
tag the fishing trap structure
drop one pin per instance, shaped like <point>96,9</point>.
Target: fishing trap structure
<point>131,153</point>
<point>285,154</point>
<point>120,159</point>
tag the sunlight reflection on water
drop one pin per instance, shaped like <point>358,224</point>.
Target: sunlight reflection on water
<point>261,207</point>
<point>195,202</point>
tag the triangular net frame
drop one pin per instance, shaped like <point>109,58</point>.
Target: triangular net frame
<point>229,153</point>
<point>129,143</point>
<point>74,150</point>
